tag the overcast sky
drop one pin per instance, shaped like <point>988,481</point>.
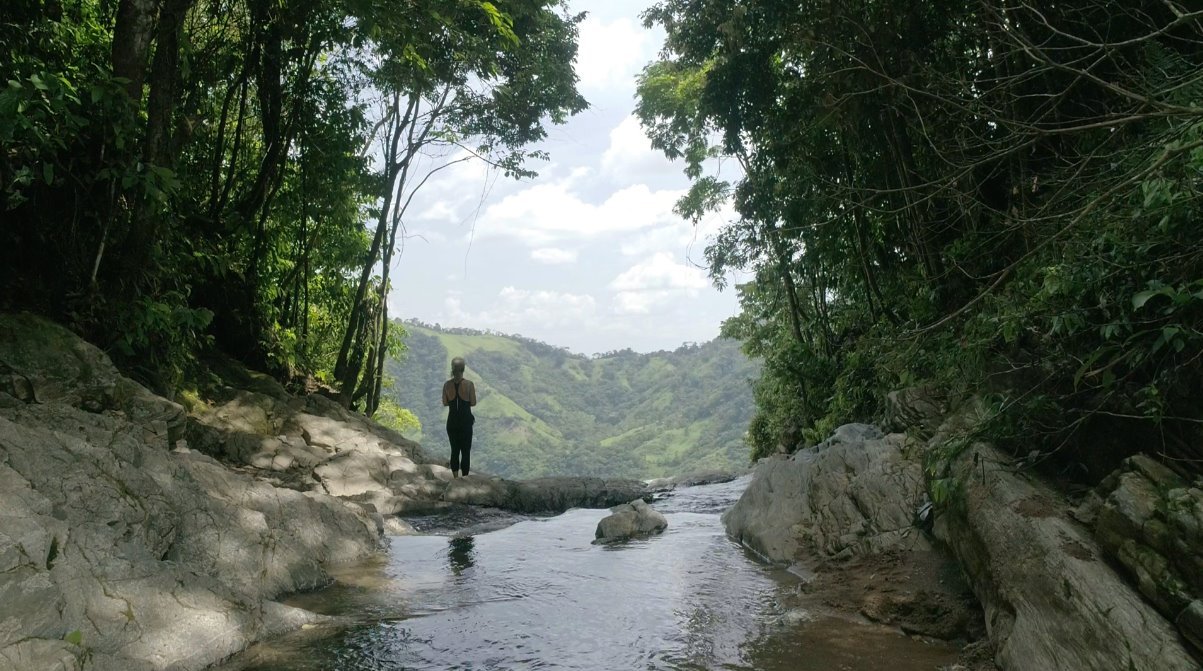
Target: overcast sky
<point>588,255</point>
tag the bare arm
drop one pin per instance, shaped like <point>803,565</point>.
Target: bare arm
<point>472,394</point>
<point>445,401</point>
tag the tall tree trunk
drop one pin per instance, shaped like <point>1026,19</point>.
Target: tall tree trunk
<point>164,80</point>
<point>132,34</point>
<point>416,135</point>
<point>872,291</point>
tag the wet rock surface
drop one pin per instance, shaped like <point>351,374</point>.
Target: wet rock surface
<point>692,480</point>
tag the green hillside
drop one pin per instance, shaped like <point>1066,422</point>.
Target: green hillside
<point>546,411</point>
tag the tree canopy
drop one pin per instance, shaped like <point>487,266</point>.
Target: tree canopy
<point>184,173</point>
<point>988,198</point>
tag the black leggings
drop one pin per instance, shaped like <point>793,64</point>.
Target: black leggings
<point>460,436</point>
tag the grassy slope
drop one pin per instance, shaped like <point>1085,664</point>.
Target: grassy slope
<point>545,411</point>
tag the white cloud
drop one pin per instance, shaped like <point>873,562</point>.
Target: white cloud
<point>660,271</point>
<point>516,310</point>
<point>554,255</point>
<point>440,210</point>
<point>611,53</point>
<point>630,157</point>
<point>545,213</point>
<point>670,237</point>
<point>641,302</point>
<point>657,281</point>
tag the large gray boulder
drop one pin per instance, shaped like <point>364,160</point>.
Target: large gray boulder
<point>855,493</point>
<point>1052,601</point>
<point>841,515</point>
<point>629,520</point>
<point>116,553</point>
<point>156,559</point>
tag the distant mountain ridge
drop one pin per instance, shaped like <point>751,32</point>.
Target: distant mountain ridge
<point>546,411</point>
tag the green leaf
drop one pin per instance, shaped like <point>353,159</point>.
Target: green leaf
<point>1143,297</point>
<point>48,173</point>
<point>74,638</point>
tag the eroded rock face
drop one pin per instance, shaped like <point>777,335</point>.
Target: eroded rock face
<point>116,553</point>
<point>629,520</point>
<point>918,411</point>
<point>852,494</point>
<point>841,514</point>
<point>1151,523</point>
<point>1051,600</point>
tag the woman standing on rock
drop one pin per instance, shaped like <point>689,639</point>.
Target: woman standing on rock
<point>459,395</point>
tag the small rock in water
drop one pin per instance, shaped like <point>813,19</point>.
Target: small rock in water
<point>628,520</point>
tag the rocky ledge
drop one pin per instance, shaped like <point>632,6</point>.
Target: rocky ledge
<point>137,534</point>
<point>1112,582</point>
<point>842,514</point>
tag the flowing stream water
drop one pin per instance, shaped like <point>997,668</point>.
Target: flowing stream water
<point>539,595</point>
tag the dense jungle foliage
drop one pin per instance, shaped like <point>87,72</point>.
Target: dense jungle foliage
<point>545,411</point>
<point>180,174</point>
<point>995,198</point>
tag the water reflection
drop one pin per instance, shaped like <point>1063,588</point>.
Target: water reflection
<point>540,595</point>
<point>460,551</point>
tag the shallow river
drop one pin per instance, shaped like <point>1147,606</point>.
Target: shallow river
<point>539,595</point>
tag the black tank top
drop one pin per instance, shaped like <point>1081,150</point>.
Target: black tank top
<point>459,411</point>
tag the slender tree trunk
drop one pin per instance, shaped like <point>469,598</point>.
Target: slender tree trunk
<point>791,290</point>
<point>232,172</point>
<point>348,368</point>
<point>396,131</point>
<point>219,145</point>
<point>873,295</point>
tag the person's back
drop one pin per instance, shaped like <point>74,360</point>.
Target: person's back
<point>459,395</point>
